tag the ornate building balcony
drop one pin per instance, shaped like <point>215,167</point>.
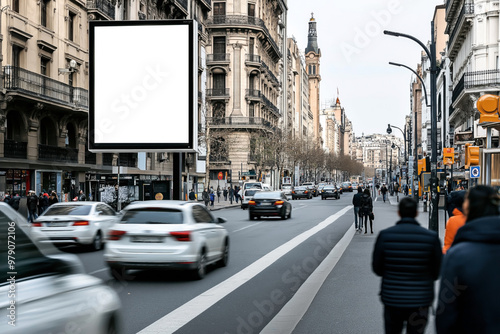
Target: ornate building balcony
<point>228,21</point>
<point>459,32</point>
<point>270,75</point>
<point>218,94</point>
<point>253,95</point>
<point>102,9</point>
<point>207,4</point>
<point>54,153</point>
<point>218,59</point>
<point>31,84</point>
<point>253,60</point>
<point>240,123</point>
<point>14,149</point>
<point>270,105</point>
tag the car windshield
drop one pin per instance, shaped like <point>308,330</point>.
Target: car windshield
<point>251,192</point>
<point>268,194</point>
<point>300,188</point>
<point>253,185</point>
<point>68,210</point>
<point>152,216</point>
<point>329,188</point>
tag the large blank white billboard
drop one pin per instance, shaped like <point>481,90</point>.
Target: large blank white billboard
<point>143,86</point>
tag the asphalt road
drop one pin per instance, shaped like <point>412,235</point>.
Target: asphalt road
<point>269,261</point>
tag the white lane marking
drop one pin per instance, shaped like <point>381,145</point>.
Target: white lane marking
<point>196,306</point>
<point>98,271</point>
<point>244,228</point>
<point>287,319</point>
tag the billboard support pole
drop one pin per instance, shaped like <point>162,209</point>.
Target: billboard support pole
<point>177,176</point>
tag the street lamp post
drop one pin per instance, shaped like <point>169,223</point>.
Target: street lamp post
<point>433,215</point>
<point>389,131</point>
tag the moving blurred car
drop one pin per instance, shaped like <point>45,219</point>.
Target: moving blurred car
<point>330,191</point>
<point>346,186</point>
<point>301,192</point>
<point>166,234</point>
<point>311,187</point>
<point>247,196</point>
<point>77,223</point>
<point>269,203</point>
<point>50,293</point>
<point>287,188</point>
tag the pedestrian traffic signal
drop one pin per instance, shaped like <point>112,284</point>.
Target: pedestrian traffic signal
<point>489,106</point>
<point>448,156</point>
<point>471,156</point>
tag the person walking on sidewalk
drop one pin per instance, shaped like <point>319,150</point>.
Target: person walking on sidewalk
<point>456,220</point>
<point>366,210</point>
<point>225,194</point>
<point>408,258</point>
<point>383,190</point>
<point>468,300</point>
<point>205,197</point>
<point>231,194</point>
<point>356,202</point>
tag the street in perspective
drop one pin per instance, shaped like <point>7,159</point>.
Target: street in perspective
<point>244,167</point>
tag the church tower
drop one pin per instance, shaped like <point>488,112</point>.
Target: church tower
<point>312,55</point>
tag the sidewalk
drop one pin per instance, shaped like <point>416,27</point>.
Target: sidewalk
<point>348,301</point>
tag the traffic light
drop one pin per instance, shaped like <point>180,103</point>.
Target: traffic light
<point>489,106</point>
<point>471,156</point>
<point>448,156</point>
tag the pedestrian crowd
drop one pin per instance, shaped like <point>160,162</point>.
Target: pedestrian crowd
<point>209,195</point>
<point>409,259</point>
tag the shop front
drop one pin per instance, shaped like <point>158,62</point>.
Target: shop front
<point>15,181</point>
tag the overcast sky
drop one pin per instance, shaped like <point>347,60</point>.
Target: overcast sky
<point>355,54</point>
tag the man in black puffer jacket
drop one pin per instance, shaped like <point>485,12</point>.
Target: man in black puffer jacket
<point>408,257</point>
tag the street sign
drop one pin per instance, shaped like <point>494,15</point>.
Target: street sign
<point>220,176</point>
<point>475,172</point>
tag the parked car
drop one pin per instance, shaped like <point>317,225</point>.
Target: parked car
<point>51,291</point>
<point>269,203</point>
<point>247,196</point>
<point>166,235</point>
<point>330,191</point>
<point>301,192</point>
<point>75,223</point>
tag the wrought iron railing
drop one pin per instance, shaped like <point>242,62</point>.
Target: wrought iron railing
<point>34,84</point>
<point>482,78</point>
<point>236,20</point>
<point>271,74</point>
<point>219,158</point>
<point>241,122</point>
<point>55,153</point>
<point>15,149</point>
<point>218,92</point>
<point>104,6</point>
<point>270,105</point>
<point>253,93</point>
<point>459,88</point>
<point>253,58</point>
<point>467,9</point>
<point>107,159</point>
<point>217,57</point>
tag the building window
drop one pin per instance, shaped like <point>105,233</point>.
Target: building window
<point>44,11</point>
<point>219,47</point>
<point>251,46</point>
<point>70,79</point>
<point>15,6</point>
<point>251,9</point>
<point>16,55</point>
<point>44,66</point>
<point>219,8</point>
<point>71,26</point>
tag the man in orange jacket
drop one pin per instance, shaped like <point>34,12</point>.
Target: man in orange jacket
<point>456,221</point>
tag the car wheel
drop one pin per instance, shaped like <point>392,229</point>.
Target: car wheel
<point>225,255</point>
<point>97,242</point>
<point>201,266</point>
<point>290,214</point>
<point>251,217</point>
<point>283,215</point>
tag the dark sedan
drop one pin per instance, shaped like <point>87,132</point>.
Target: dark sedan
<point>269,203</point>
<point>330,191</point>
<point>301,192</point>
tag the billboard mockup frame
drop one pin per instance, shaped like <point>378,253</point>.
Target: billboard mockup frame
<point>142,86</point>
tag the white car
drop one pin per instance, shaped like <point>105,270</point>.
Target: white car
<point>77,223</point>
<point>166,234</point>
<point>247,196</point>
<point>45,291</point>
<point>287,189</point>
